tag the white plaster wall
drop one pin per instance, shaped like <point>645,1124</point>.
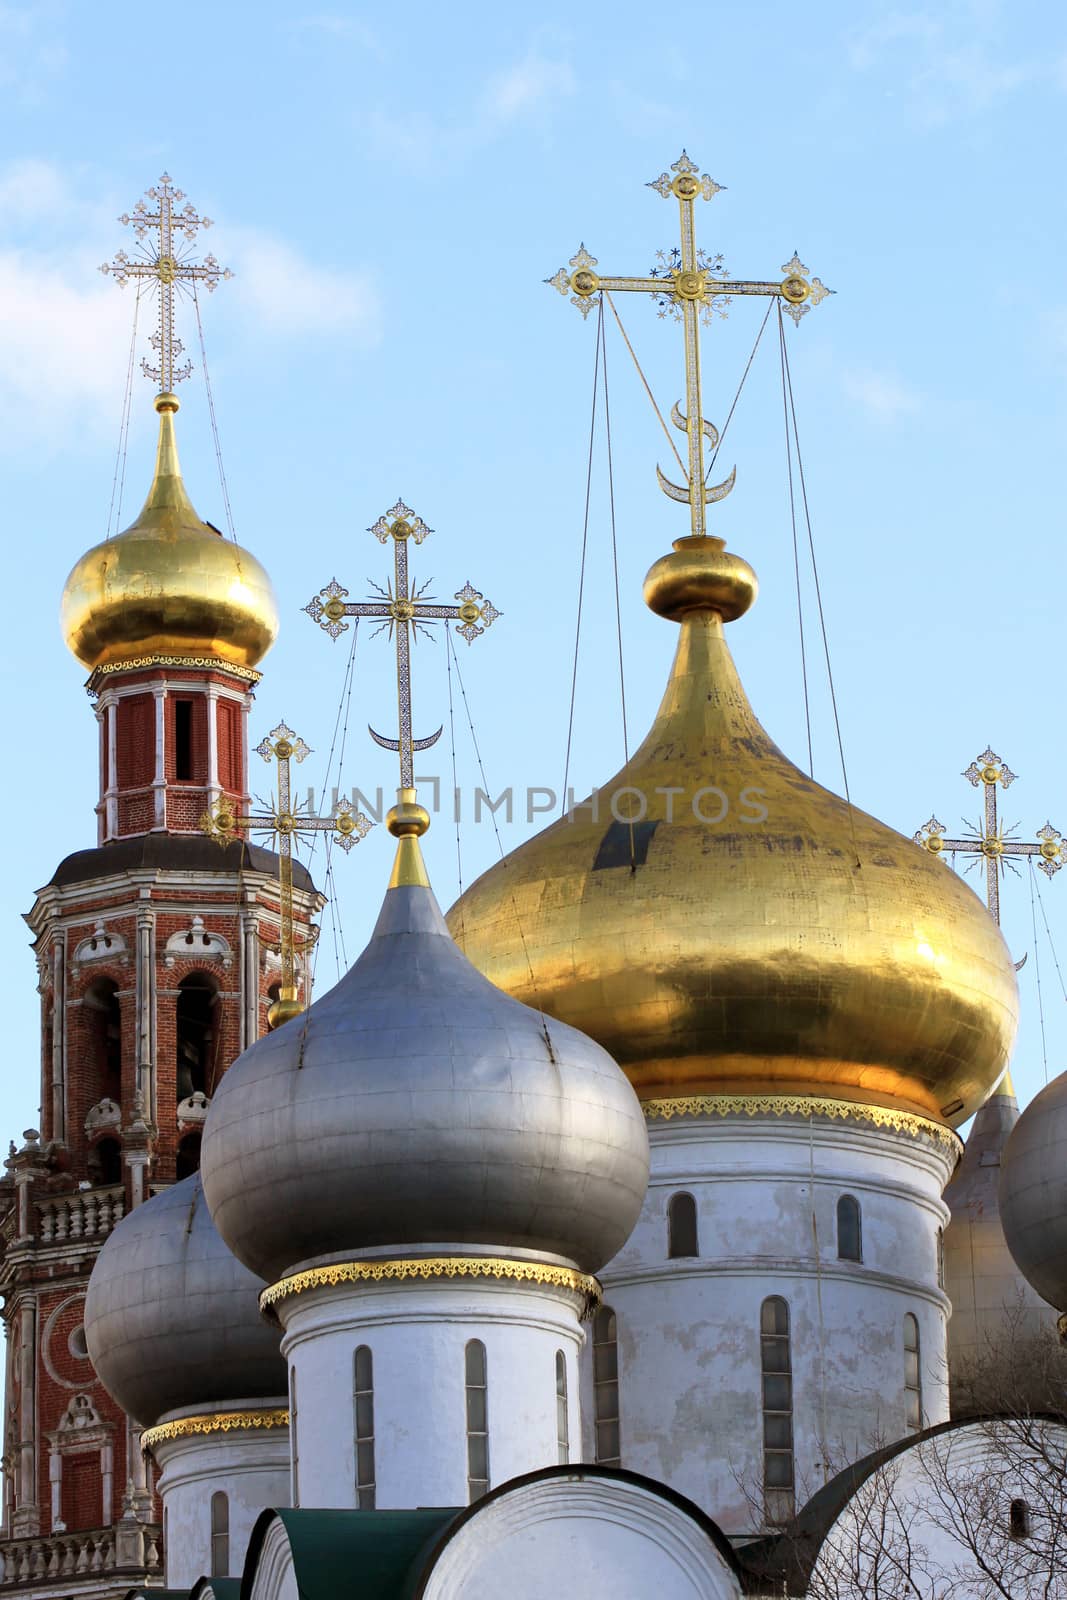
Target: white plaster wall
<point>250,1466</point>
<point>418,1332</point>
<point>942,1510</point>
<point>766,1190</point>
<point>574,1536</point>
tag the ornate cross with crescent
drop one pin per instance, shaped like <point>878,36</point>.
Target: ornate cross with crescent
<point>988,840</point>
<point>403,612</point>
<point>690,286</point>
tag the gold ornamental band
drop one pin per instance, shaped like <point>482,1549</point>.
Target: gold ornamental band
<point>414,1267</point>
<point>108,668</point>
<point>213,1422</point>
<point>795,1105</point>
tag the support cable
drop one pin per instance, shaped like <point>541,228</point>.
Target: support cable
<point>737,396</point>
<point>1037,968</point>
<point>340,728</point>
<point>818,596</point>
<point>581,569</point>
<point>455,786</point>
<point>211,414</point>
<point>500,848</point>
<point>615,572</point>
<point>796,551</point>
<point>118,481</point>
<point>644,380</point>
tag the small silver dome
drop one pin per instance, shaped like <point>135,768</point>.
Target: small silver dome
<point>1033,1193</point>
<point>172,1318</point>
<point>418,1105</point>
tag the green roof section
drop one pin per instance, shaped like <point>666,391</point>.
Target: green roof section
<point>354,1555</point>
<point>221,1588</point>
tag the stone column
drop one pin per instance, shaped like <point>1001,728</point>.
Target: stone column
<point>111,799</point>
<point>146,1007</point>
<point>107,1465</point>
<point>55,1485</point>
<point>213,790</point>
<point>249,977</point>
<point>27,1517</point>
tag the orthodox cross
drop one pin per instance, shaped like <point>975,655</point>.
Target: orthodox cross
<point>691,287</point>
<point>988,840</point>
<point>285,823</point>
<point>167,262</point>
<point>403,612</point>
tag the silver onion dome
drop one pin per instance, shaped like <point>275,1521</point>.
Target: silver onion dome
<point>172,1317</point>
<point>416,1105</point>
<point>1033,1193</point>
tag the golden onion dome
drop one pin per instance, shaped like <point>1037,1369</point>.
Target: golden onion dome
<point>169,585</point>
<point>750,934</point>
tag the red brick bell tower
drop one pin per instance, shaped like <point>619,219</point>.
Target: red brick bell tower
<point>157,958</point>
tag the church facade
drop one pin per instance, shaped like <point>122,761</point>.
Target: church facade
<point>593,1237</point>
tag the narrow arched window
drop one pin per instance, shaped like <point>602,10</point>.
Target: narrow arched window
<point>196,1047</point>
<point>563,1424</point>
<point>849,1229</point>
<point>220,1535</point>
<point>363,1379</point>
<point>941,1258</point>
<point>606,1387</point>
<point>682,1226</point>
<point>294,1438</point>
<point>913,1382</point>
<point>1020,1520</point>
<point>477,1421</point>
<point>104,1163</point>
<point>103,1023</point>
<point>777,1380</point>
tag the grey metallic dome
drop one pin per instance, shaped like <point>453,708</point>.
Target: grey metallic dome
<point>172,1318</point>
<point>1033,1193</point>
<point>418,1105</point>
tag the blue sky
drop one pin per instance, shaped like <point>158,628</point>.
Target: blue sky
<point>390,187</point>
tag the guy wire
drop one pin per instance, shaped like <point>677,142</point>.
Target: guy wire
<point>818,597</point>
<point>500,848</point>
<point>118,480</point>
<point>211,414</point>
<point>581,570</point>
<point>796,548</point>
<point>737,396</point>
<point>644,380</point>
<point>1037,970</point>
<point>455,784</point>
<point>615,571</point>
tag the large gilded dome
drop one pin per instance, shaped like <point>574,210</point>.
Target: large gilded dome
<point>169,585</point>
<point>773,945</point>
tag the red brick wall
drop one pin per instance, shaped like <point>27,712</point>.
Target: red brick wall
<point>135,743</point>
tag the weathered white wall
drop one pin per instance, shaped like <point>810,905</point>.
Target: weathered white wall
<point>766,1189</point>
<point>250,1466</point>
<point>418,1332</point>
<point>574,1536</point>
<point>942,1513</point>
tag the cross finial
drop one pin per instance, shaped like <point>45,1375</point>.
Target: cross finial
<point>403,611</point>
<point>166,260</point>
<point>285,822</point>
<point>988,840</point>
<point>690,286</point>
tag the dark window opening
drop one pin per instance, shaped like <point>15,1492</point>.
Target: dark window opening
<point>777,1375</point>
<point>625,845</point>
<point>187,1160</point>
<point>849,1229</point>
<point>1020,1519</point>
<point>196,1042</point>
<point>477,1421</point>
<point>364,1408</point>
<point>913,1383</point>
<point>220,1535</point>
<point>104,1028</point>
<point>104,1162</point>
<point>183,739</point>
<point>682,1226</point>
<point>606,1387</point>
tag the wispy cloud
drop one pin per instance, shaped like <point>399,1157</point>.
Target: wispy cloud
<point>335,25</point>
<point>953,60</point>
<point>65,331</point>
<point>531,85</point>
<point>33,54</point>
<point>883,397</point>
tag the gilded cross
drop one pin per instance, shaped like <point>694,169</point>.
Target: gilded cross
<point>166,261</point>
<point>403,611</point>
<point>988,840</point>
<point>692,287</point>
<point>285,823</point>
